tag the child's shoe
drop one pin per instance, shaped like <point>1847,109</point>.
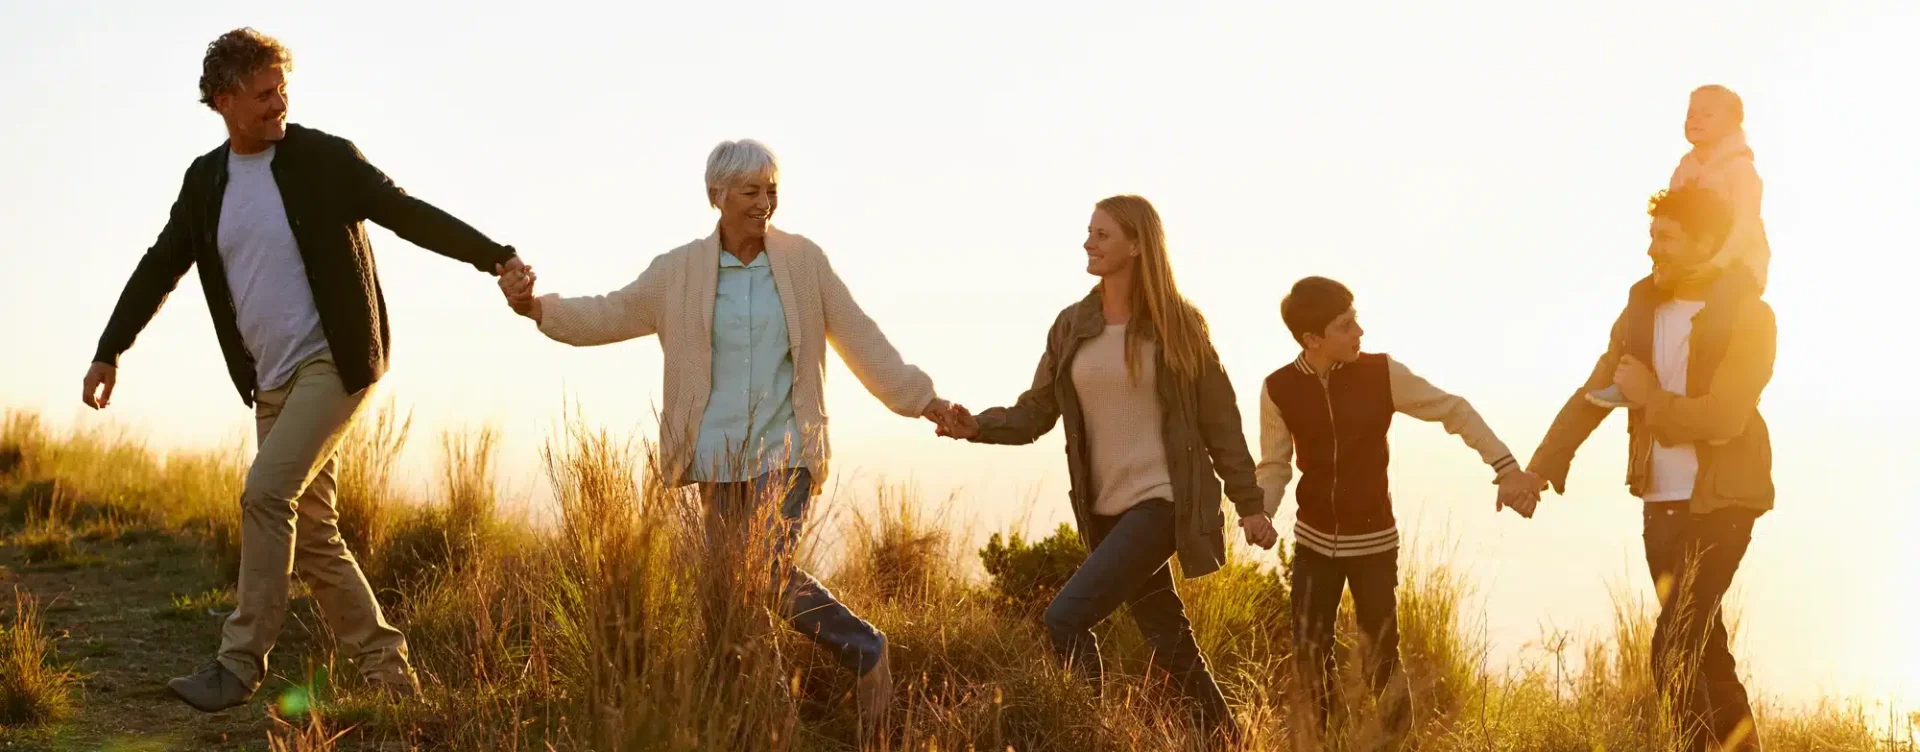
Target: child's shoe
<point>1610,398</point>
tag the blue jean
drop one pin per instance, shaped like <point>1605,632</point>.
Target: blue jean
<point>1128,565</point>
<point>805,603</point>
<point>1318,582</point>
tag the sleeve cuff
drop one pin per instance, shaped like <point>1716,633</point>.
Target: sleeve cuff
<point>1504,466</point>
<point>1255,509</point>
<point>500,256</point>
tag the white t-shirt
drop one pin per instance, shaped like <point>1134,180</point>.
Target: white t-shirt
<point>1674,467</point>
<point>271,295</point>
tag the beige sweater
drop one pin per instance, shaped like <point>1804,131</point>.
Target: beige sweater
<point>674,297</point>
<point>1124,441</point>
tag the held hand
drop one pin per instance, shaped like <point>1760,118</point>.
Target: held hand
<point>1637,382</point>
<point>958,423</point>
<point>513,263</point>
<point>516,284</point>
<point>1519,490</point>
<point>98,387</point>
<point>1259,531</point>
<point>937,411</point>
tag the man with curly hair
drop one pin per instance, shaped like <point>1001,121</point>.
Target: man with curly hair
<point>1693,350</point>
<point>273,217</point>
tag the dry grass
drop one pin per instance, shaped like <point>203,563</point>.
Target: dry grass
<point>33,690</point>
<point>369,457</point>
<point>624,626</point>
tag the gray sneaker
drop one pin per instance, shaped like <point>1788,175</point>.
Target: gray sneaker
<point>1610,398</point>
<point>211,690</point>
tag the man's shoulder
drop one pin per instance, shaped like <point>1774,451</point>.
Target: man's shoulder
<point>312,143</point>
<point>208,162</point>
<point>306,137</point>
<point>1756,310</point>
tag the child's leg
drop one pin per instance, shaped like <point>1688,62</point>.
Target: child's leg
<point>1317,585</point>
<point>1374,579</point>
<point>1610,397</point>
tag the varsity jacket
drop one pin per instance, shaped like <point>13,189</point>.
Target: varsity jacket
<point>1334,425</point>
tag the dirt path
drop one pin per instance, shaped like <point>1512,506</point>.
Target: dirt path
<point>111,605</point>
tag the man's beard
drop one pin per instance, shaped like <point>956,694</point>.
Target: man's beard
<point>1705,271</point>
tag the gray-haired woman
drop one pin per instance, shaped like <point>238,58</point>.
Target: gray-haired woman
<point>744,317</point>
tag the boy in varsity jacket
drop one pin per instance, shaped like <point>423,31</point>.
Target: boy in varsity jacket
<point>1329,410</point>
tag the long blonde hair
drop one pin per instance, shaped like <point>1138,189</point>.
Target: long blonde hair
<point>1184,344</point>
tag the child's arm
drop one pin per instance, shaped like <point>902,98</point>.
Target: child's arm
<point>1276,454</point>
<point>1414,396</point>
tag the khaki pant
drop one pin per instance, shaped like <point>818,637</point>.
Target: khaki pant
<point>289,524</point>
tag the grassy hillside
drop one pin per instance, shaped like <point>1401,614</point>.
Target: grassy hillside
<point>615,629</point>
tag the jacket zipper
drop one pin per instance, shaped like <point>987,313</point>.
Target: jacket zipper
<point>1333,498</point>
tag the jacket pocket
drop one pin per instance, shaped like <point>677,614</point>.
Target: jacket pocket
<point>1742,469</point>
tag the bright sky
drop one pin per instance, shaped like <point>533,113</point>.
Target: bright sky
<point>1477,174</point>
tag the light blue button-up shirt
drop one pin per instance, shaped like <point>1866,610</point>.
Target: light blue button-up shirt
<point>748,428</point>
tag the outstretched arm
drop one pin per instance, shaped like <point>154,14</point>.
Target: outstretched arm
<point>154,278</point>
<point>1578,417</point>
<point>1416,397</point>
<point>903,388</point>
<point>376,198</point>
<point>627,313</point>
<point>1030,417</point>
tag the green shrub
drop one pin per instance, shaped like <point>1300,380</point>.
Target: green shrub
<point>200,606</point>
<point>1025,576</point>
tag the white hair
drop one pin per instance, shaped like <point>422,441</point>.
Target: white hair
<point>734,161</point>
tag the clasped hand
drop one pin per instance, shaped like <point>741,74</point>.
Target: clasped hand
<point>1520,491</point>
<point>516,284</point>
<point>952,420</point>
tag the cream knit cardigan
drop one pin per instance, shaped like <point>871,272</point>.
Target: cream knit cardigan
<point>673,299</point>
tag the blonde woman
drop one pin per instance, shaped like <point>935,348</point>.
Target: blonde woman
<point>1152,432</point>
<point>744,317</point>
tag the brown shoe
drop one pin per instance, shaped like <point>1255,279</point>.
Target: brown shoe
<point>873,693</point>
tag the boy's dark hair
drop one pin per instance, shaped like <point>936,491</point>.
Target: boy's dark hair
<point>1312,304</point>
<point>1700,213</point>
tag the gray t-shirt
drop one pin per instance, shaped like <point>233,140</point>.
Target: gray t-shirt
<point>278,321</point>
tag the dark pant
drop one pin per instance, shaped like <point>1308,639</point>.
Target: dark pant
<point>1693,558</point>
<point>1128,565</point>
<point>805,603</point>
<point>1318,581</point>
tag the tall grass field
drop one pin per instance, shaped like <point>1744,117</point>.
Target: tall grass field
<point>615,627</point>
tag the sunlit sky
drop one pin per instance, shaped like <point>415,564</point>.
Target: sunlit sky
<point>1476,172</point>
